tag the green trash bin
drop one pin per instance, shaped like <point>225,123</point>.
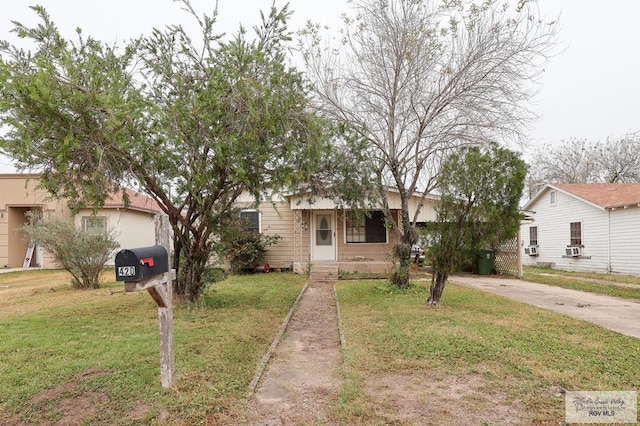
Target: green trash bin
<point>484,262</point>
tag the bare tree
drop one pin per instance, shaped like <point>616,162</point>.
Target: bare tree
<point>571,161</point>
<point>582,161</point>
<point>619,159</point>
<point>419,79</point>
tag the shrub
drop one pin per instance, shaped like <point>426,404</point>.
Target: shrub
<point>213,275</point>
<point>243,247</point>
<point>83,255</point>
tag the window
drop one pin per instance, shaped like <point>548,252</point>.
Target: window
<point>576,233</point>
<point>533,236</point>
<point>94,225</point>
<point>366,229</point>
<point>552,198</point>
<point>252,219</point>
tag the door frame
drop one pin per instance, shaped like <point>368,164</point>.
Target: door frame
<point>329,254</point>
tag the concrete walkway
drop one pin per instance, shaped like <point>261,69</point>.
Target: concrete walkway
<point>301,380</point>
<point>617,314</point>
<point>7,270</point>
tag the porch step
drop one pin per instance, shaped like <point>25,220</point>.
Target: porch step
<point>324,272</point>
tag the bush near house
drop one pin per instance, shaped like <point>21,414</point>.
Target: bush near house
<point>83,255</point>
<point>243,247</point>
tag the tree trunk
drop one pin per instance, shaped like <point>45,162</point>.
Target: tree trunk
<point>189,263</point>
<point>191,270</point>
<point>408,237</point>
<point>400,277</point>
<point>438,280</point>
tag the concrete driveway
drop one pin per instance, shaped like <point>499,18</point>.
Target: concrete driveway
<point>620,315</point>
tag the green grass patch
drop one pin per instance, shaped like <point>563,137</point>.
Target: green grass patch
<point>624,286</point>
<point>84,342</point>
<point>616,278</point>
<point>511,350</point>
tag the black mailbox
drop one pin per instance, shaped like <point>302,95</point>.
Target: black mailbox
<point>140,263</point>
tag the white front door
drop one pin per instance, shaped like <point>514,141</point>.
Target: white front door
<point>323,236</point>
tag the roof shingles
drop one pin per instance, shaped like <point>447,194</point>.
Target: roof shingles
<point>137,201</point>
<point>606,195</point>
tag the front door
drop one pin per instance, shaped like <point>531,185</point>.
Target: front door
<point>324,236</point>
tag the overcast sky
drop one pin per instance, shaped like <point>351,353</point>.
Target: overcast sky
<point>590,89</point>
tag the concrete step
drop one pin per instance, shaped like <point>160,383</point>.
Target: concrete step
<point>324,272</point>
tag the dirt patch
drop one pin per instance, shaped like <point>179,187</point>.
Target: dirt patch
<point>70,385</point>
<point>73,410</point>
<point>409,398</point>
<point>76,409</point>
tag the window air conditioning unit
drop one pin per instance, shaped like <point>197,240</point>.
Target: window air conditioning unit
<point>531,250</point>
<point>573,251</point>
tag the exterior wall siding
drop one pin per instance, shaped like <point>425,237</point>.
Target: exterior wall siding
<point>553,223</point>
<point>625,241</point>
<point>275,219</point>
<point>292,219</point>
<point>278,220</point>
<point>130,229</point>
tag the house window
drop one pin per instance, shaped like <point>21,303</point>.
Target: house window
<point>251,219</point>
<point>552,198</point>
<point>366,229</point>
<point>94,225</point>
<point>533,236</point>
<point>576,233</point>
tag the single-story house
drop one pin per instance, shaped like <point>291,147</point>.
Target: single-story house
<point>318,232</point>
<point>584,227</point>
<point>131,226</point>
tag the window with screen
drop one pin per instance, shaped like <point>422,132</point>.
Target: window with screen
<point>94,225</point>
<point>367,228</point>
<point>576,233</point>
<point>251,219</point>
<point>533,236</point>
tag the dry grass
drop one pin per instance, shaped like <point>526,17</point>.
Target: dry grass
<point>26,292</point>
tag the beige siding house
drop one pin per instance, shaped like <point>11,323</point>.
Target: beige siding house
<point>131,226</point>
<point>320,233</point>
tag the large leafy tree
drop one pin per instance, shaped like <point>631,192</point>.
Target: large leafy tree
<point>193,123</point>
<point>421,78</point>
<point>480,192</point>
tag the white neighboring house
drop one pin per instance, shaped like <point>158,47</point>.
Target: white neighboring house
<point>591,227</point>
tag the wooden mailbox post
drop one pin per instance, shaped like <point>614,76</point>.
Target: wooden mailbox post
<point>147,268</point>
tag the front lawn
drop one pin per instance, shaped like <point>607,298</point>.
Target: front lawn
<point>478,359</point>
<point>66,350</point>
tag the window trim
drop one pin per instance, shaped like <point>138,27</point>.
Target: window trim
<point>576,238</point>
<point>346,234</point>
<point>259,230</point>
<point>533,230</point>
<point>86,219</point>
<point>553,197</point>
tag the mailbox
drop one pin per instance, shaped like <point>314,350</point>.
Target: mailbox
<point>141,263</point>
